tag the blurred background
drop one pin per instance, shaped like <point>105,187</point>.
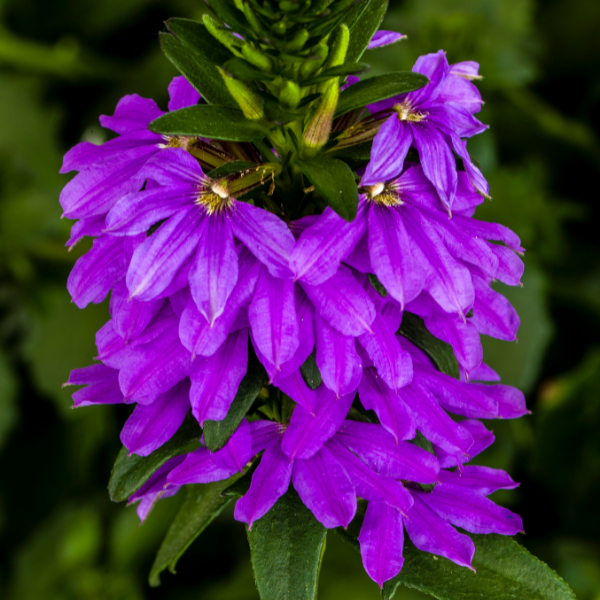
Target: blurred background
<point>64,62</point>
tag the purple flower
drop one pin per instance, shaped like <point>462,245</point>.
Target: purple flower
<point>107,172</point>
<point>433,119</point>
<point>401,234</point>
<point>384,38</point>
<point>201,222</point>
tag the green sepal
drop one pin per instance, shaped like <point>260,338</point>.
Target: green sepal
<point>364,27</point>
<point>310,371</point>
<point>241,69</point>
<point>286,547</point>
<point>202,74</point>
<point>335,182</point>
<point>201,505</point>
<point>440,352</point>
<point>229,168</point>
<point>130,472</point>
<point>504,570</point>
<point>209,121</point>
<point>379,88</point>
<point>195,36</point>
<point>217,433</point>
<point>340,70</point>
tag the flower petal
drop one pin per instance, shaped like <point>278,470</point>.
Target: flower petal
<point>269,482</point>
<point>156,262</point>
<point>430,533</point>
<point>391,410</point>
<point>322,246</point>
<point>215,270</point>
<point>149,427</point>
<point>265,235</point>
<point>273,318</point>
<point>343,303</point>
<point>215,379</point>
<point>390,458</point>
<point>388,152</point>
<point>391,255</point>
<point>340,365</point>
<point>97,271</point>
<point>307,433</point>
<point>182,94</point>
<point>381,541</point>
<point>326,489</point>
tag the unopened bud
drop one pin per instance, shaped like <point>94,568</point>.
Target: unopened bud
<point>257,58</point>
<point>252,19</point>
<point>252,104</point>
<point>290,95</point>
<point>218,31</point>
<point>337,54</point>
<point>297,42</point>
<point>310,67</point>
<point>318,128</point>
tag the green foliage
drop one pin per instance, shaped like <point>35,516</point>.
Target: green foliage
<point>334,181</point>
<point>503,570</point>
<point>64,63</point>
<point>440,352</point>
<point>287,547</point>
<point>378,88</point>
<point>310,371</point>
<point>201,73</point>
<point>131,471</point>
<point>206,120</point>
<point>201,505</point>
<point>363,27</point>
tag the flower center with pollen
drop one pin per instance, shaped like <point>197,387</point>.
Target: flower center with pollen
<point>215,197</point>
<point>405,112</point>
<point>178,141</point>
<point>385,195</point>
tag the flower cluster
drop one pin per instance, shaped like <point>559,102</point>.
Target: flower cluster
<point>200,280</point>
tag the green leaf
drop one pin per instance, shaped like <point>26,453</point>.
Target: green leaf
<point>202,504</point>
<point>413,329</point>
<point>241,69</point>
<point>286,547</point>
<point>241,486</point>
<point>195,36</point>
<point>129,473</point>
<point>233,17</point>
<point>334,180</point>
<point>504,571</point>
<point>345,69</point>
<point>206,120</point>
<point>364,27</point>
<point>354,156</point>
<point>217,433</point>
<point>229,168</point>
<point>310,372</point>
<point>202,74</point>
<point>377,285</point>
<point>378,88</point>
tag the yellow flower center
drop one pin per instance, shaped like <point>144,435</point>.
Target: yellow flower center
<point>405,112</point>
<point>382,194</point>
<point>215,197</point>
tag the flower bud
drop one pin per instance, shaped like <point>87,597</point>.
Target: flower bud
<point>297,42</point>
<point>257,58</point>
<point>252,104</point>
<point>289,97</point>
<point>218,31</point>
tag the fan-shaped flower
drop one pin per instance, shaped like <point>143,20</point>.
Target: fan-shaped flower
<point>433,119</point>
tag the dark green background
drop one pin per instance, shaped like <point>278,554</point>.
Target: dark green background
<point>64,62</point>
